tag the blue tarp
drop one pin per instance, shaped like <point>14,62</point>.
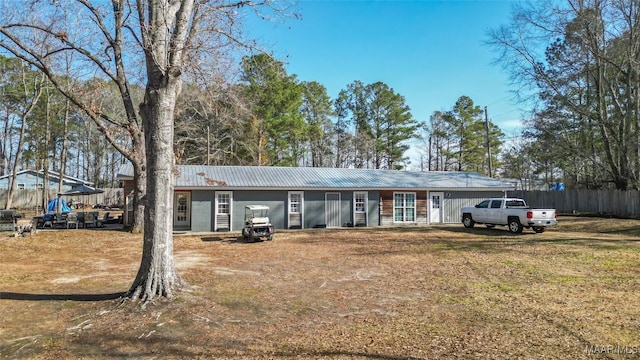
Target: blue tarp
<point>557,187</point>
<point>53,206</point>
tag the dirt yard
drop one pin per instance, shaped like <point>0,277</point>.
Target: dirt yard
<point>402,293</point>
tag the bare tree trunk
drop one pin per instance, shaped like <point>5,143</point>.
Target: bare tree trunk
<point>157,275</point>
<point>37,91</point>
<point>14,170</point>
<point>45,152</point>
<point>63,151</point>
<point>139,192</point>
<point>137,159</point>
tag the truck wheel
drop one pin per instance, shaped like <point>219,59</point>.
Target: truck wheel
<point>515,226</point>
<point>467,221</point>
<point>538,229</point>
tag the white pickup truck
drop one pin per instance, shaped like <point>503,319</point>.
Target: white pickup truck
<point>508,211</point>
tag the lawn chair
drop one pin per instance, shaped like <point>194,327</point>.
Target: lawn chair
<point>89,219</point>
<point>48,219</point>
<point>72,220</point>
<point>60,220</point>
<point>106,219</point>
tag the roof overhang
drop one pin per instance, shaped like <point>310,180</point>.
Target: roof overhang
<point>234,188</point>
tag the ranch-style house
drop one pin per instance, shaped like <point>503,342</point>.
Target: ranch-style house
<point>213,198</point>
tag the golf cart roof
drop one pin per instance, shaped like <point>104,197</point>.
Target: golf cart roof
<point>257,207</point>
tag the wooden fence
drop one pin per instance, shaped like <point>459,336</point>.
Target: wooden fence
<point>29,199</point>
<point>604,202</point>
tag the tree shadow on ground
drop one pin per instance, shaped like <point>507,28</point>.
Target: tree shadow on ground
<point>498,231</point>
<point>172,346</point>
<point>343,354</point>
<point>504,241</point>
<point>5,295</point>
<point>632,231</point>
<point>219,238</point>
<point>486,240</point>
<point>229,239</point>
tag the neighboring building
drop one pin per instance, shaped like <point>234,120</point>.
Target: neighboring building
<point>530,184</point>
<point>213,198</point>
<point>34,179</point>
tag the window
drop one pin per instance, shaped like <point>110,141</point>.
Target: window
<point>21,186</point>
<point>130,203</point>
<point>295,202</point>
<point>484,204</point>
<point>516,204</point>
<point>360,202</point>
<point>182,212</point>
<point>404,207</point>
<point>496,204</point>
<point>224,203</point>
<point>129,211</point>
<point>435,202</point>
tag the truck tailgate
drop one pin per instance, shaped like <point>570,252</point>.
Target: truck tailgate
<point>542,217</point>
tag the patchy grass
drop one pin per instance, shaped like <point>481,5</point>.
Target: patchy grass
<point>405,293</point>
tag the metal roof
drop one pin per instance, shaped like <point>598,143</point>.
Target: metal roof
<point>68,180</point>
<point>300,178</point>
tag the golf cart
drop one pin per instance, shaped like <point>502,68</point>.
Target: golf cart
<point>256,223</point>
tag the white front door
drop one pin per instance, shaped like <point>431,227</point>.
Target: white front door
<point>435,207</point>
<point>182,209</point>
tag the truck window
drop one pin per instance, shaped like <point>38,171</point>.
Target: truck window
<point>496,204</point>
<point>516,204</point>
<point>484,204</point>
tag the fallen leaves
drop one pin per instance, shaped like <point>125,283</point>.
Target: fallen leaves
<point>410,293</point>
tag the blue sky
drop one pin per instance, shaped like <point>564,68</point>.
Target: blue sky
<point>431,52</point>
